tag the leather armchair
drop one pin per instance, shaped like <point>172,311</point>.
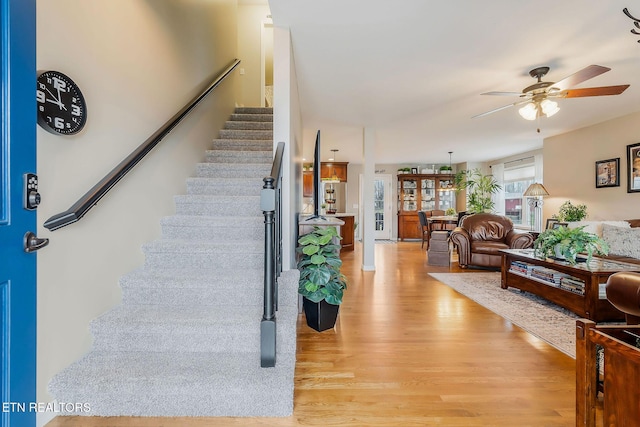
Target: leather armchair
<point>623,292</point>
<point>480,236</point>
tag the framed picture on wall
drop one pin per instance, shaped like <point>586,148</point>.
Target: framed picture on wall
<point>414,170</point>
<point>633,168</point>
<point>608,173</point>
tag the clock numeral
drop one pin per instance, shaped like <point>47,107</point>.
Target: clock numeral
<point>75,110</point>
<point>59,84</point>
<point>40,107</point>
<point>58,123</point>
<point>40,95</point>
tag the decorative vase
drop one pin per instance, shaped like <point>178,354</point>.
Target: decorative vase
<point>320,315</point>
<point>558,252</point>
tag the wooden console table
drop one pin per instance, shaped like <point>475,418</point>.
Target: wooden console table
<point>621,390</point>
<point>587,303</point>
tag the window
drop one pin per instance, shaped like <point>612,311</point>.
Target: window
<point>516,180</point>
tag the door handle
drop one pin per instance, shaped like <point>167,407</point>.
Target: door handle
<point>32,242</point>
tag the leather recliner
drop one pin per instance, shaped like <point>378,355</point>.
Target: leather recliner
<point>480,236</point>
<point>623,291</point>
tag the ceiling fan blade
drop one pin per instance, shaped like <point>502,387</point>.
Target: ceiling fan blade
<point>576,78</point>
<point>504,107</point>
<point>593,91</point>
<point>503,93</point>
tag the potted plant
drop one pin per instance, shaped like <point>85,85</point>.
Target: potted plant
<point>321,283</point>
<point>445,169</point>
<point>480,187</point>
<point>570,213</point>
<point>450,212</point>
<point>567,243</point>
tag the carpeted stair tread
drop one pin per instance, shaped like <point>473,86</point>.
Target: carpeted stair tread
<point>231,170</point>
<point>245,145</point>
<point>245,134</point>
<point>200,384</point>
<point>244,117</point>
<point>239,156</point>
<point>254,110</point>
<point>209,228</point>
<point>204,204</point>
<point>213,286</point>
<point>236,124</point>
<point>224,187</point>
<point>187,329</point>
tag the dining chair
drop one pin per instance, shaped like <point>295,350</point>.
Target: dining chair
<point>424,228</point>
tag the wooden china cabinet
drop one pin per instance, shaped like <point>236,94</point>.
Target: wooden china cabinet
<point>422,192</point>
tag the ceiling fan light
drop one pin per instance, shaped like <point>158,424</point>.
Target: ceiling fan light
<point>549,108</point>
<point>529,111</point>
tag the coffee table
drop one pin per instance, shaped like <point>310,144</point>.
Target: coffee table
<point>581,290</point>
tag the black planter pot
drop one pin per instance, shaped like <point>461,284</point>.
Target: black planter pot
<point>320,315</point>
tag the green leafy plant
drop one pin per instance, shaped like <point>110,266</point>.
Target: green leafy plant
<point>568,243</point>
<point>480,187</point>
<point>450,212</point>
<point>445,169</point>
<point>569,212</point>
<point>319,265</point>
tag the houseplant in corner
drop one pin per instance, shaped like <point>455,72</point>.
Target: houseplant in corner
<point>567,243</point>
<point>321,283</point>
<point>480,187</point>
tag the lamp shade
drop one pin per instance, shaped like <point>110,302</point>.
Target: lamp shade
<point>535,190</point>
<point>529,111</point>
<point>549,108</point>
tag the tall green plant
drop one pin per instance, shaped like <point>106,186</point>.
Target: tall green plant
<point>480,188</point>
<point>319,265</point>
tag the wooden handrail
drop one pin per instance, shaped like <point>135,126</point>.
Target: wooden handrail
<point>91,198</point>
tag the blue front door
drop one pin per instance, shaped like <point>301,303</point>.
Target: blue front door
<point>17,268</point>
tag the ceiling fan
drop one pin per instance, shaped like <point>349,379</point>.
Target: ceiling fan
<point>538,99</point>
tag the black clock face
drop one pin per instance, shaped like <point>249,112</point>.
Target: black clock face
<point>61,106</point>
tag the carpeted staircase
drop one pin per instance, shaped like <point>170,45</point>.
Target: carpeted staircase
<point>186,339</point>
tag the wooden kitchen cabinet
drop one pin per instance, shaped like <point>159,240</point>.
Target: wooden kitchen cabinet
<point>307,184</point>
<point>337,169</point>
<point>347,232</point>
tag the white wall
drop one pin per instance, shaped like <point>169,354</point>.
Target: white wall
<point>137,62</point>
<point>287,127</point>
<point>569,169</point>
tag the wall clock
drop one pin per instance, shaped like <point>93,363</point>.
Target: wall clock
<point>61,106</point>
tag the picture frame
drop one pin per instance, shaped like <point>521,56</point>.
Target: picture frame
<point>633,168</point>
<point>550,223</point>
<point>414,171</point>
<point>559,224</point>
<point>608,173</point>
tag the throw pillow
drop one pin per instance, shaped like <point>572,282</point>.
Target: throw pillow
<point>595,227</point>
<point>622,241</point>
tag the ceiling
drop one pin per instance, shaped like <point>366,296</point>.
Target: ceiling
<point>413,70</point>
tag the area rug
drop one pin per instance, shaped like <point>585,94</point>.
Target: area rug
<point>535,315</point>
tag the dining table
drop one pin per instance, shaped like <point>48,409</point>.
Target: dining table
<point>442,222</point>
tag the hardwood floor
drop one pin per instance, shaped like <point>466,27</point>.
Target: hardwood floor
<point>410,351</point>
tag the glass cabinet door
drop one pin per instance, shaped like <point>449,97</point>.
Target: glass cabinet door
<point>428,194</point>
<point>410,195</point>
<point>446,194</point>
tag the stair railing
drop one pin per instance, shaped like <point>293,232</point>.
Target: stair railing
<point>271,205</point>
<point>97,192</point>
